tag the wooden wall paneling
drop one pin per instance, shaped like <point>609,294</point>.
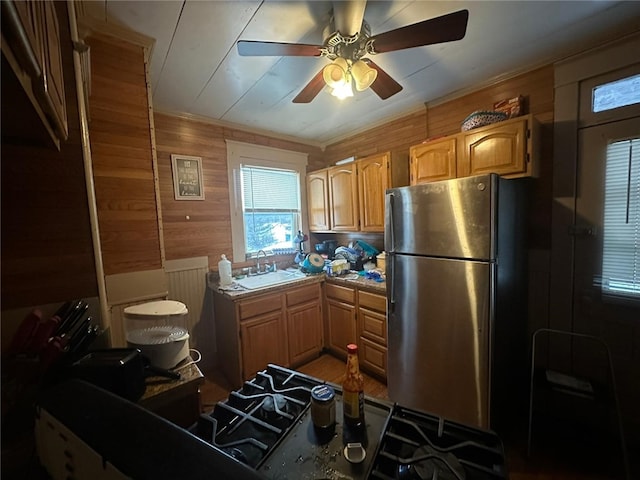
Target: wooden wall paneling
<point>46,248</point>
<point>207,230</point>
<point>121,147</point>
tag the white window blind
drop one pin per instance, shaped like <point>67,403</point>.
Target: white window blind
<point>271,208</point>
<point>270,190</point>
<point>621,256</point>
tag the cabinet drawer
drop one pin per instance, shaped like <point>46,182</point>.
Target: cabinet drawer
<point>303,294</point>
<point>346,294</point>
<point>373,325</point>
<point>372,301</point>
<point>259,305</point>
<point>374,357</point>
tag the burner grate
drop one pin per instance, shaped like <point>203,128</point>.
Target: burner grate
<point>418,445</point>
<point>253,420</point>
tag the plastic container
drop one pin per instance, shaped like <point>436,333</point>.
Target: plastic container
<point>224,269</point>
<point>159,331</point>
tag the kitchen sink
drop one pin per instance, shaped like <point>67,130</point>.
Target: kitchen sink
<point>268,279</point>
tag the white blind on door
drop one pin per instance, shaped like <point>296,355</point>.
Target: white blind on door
<point>621,256</point>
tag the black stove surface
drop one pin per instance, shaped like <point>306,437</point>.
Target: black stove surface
<point>308,453</point>
<point>417,445</point>
<point>251,422</point>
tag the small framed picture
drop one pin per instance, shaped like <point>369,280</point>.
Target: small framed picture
<point>187,177</point>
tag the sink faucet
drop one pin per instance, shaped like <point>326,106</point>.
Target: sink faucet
<point>258,259</point>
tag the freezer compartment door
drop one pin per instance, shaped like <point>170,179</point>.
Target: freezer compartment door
<point>438,336</point>
<point>453,218</point>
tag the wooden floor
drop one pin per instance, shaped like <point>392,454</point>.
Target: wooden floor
<point>539,467</point>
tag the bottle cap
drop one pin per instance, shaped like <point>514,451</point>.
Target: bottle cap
<point>352,348</point>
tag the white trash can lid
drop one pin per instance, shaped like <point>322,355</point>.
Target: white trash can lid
<point>153,310</point>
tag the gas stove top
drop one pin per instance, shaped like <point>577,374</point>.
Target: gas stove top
<point>417,445</point>
<point>267,425</point>
<point>262,431</point>
<point>250,423</point>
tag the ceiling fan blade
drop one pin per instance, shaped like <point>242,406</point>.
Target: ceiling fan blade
<point>312,89</point>
<point>384,85</point>
<point>446,28</point>
<point>252,48</point>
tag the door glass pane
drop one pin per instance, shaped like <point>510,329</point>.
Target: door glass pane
<point>616,94</point>
<point>621,255</point>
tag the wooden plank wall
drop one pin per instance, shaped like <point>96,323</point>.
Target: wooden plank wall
<point>445,118</point>
<point>120,136</point>
<point>199,228</point>
<point>47,251</point>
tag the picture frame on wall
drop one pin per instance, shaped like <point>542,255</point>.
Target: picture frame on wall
<point>187,177</point>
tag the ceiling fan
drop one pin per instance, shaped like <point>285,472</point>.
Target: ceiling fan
<point>351,42</point>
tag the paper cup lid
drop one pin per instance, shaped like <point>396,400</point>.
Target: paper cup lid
<point>153,310</point>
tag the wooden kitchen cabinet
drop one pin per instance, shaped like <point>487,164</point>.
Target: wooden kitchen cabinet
<point>282,327</point>
<point>343,198</point>
<point>372,326</point>
<point>318,201</point>
<point>508,148</point>
<point>503,148</point>
<point>341,318</point>
<point>304,323</point>
<point>351,197</point>
<point>433,161</point>
<point>262,341</point>
<point>376,174</point>
<point>31,46</point>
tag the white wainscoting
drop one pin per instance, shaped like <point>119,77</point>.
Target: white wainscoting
<point>187,283</point>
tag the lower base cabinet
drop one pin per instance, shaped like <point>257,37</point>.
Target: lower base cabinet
<point>282,327</point>
<point>358,316</point>
<point>262,343</point>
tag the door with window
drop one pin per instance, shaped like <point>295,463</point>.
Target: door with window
<point>607,231</point>
<point>606,271</point>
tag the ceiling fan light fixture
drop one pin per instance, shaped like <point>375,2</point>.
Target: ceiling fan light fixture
<point>363,75</point>
<point>335,73</point>
<point>344,89</point>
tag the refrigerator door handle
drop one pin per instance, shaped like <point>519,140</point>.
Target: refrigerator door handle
<point>391,248</point>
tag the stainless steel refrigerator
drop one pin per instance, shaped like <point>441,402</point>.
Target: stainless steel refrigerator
<point>456,303</point>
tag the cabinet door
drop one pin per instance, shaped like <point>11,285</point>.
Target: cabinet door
<point>27,16</point>
<point>373,181</point>
<point>262,341</point>
<point>499,148</point>
<point>318,201</point>
<point>53,73</point>
<point>373,357</point>
<point>433,161</point>
<point>343,198</point>
<point>304,331</point>
<point>342,325</point>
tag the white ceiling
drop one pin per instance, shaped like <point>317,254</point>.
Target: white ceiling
<point>195,67</point>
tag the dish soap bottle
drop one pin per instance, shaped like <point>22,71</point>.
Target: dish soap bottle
<point>224,269</point>
<point>353,389</point>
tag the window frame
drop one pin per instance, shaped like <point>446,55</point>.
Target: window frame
<point>238,154</point>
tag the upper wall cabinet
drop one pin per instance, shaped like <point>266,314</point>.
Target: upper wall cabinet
<point>318,201</point>
<point>376,174</point>
<point>343,198</point>
<point>508,148</point>
<point>350,198</point>
<point>31,48</point>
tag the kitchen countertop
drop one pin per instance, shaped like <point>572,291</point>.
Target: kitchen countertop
<point>350,279</point>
